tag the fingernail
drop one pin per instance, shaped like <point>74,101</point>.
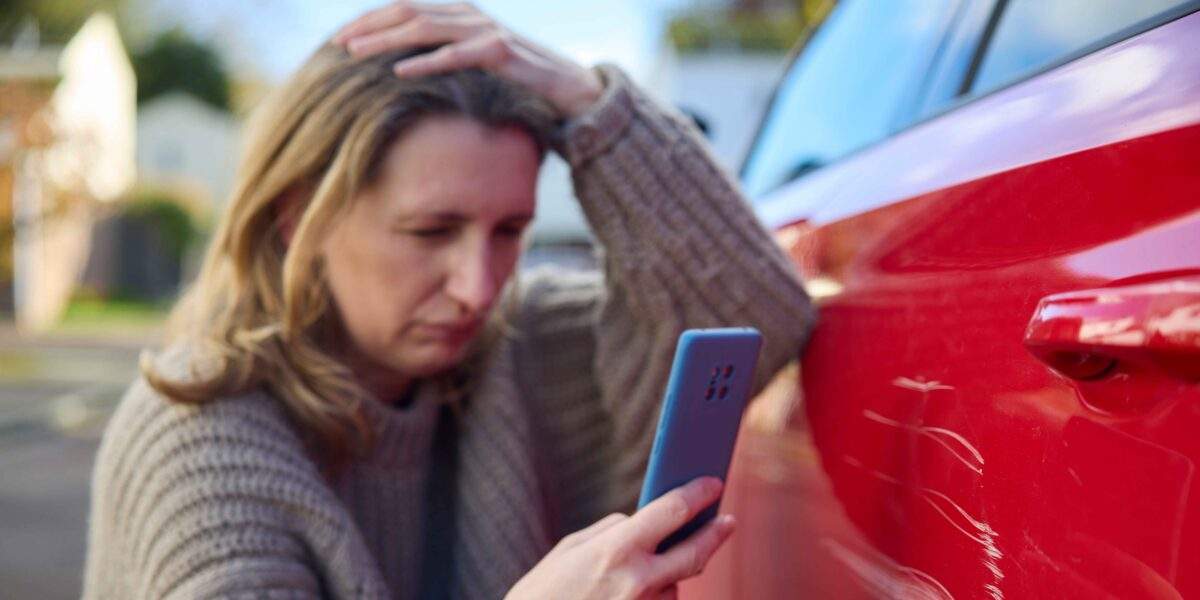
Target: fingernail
<point>726,523</point>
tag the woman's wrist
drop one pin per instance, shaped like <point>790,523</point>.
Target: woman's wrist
<point>581,94</point>
<point>602,122</point>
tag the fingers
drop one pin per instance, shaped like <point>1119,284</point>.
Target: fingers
<point>671,511</point>
<point>466,38</point>
<point>688,558</point>
<point>484,52</point>
<point>422,30</point>
<point>591,531</point>
<point>471,39</point>
<point>393,14</point>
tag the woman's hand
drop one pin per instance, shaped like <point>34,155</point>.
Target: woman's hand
<point>470,39</point>
<point>614,557</point>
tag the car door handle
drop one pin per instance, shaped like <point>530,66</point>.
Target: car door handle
<point>1083,334</point>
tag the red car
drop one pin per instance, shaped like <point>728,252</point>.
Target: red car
<point>996,205</point>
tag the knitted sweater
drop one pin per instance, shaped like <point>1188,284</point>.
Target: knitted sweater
<point>221,499</point>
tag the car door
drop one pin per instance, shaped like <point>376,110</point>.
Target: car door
<point>1001,396</point>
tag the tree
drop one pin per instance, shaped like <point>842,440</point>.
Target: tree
<point>175,61</point>
<point>748,25</point>
<point>57,20</point>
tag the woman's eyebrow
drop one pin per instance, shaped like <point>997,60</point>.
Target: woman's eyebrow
<point>456,217</point>
<point>439,216</point>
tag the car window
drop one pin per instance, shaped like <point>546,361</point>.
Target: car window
<point>845,88</point>
<point>1033,34</point>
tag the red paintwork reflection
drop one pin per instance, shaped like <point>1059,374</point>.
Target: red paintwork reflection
<point>933,454</point>
<point>956,452</point>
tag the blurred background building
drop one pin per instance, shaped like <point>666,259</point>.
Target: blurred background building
<point>187,144</point>
<point>68,116</point>
<point>119,134</point>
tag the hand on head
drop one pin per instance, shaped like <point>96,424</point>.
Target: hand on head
<point>467,38</point>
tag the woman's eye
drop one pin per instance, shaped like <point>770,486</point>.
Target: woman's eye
<point>429,232</point>
<point>511,232</point>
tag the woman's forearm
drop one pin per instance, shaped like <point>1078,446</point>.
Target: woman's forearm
<point>682,250</point>
<point>676,232</point>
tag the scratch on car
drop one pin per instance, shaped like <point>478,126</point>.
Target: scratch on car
<point>919,384</point>
<point>976,530</point>
<point>885,578</point>
<point>1074,476</point>
<point>939,435</point>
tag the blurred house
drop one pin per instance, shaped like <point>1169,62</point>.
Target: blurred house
<point>67,138</point>
<point>559,219</point>
<point>721,61</point>
<point>559,232</point>
<point>187,153</point>
<point>729,89</point>
<point>186,145</point>
<point>724,85</point>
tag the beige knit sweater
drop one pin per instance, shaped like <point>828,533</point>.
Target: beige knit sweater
<point>221,500</point>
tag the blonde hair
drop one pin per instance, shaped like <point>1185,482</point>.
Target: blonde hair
<point>260,313</point>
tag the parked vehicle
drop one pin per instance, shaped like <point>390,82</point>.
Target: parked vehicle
<point>997,207</point>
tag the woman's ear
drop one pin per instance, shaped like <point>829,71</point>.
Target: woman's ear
<point>287,209</point>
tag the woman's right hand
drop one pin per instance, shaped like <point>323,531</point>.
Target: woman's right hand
<point>614,557</point>
<point>468,38</point>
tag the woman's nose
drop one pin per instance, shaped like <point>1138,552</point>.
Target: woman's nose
<point>472,280</point>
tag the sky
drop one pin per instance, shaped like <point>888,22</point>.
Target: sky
<point>273,37</point>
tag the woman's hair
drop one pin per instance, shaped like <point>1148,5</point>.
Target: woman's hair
<point>260,314</point>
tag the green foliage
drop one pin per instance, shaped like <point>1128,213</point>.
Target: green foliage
<point>746,30</point>
<point>87,313</point>
<point>690,33</point>
<point>174,223</point>
<point>175,61</point>
<point>57,20</point>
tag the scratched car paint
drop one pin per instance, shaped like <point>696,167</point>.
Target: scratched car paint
<point>1001,398</point>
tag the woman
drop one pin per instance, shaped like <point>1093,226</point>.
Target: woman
<point>360,401</point>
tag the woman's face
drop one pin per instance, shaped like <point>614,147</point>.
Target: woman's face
<point>417,264</point>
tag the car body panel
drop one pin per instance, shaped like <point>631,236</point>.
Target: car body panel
<point>1134,88</point>
<point>928,448</point>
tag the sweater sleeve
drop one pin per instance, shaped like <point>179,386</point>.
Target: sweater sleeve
<point>680,249</point>
<point>212,501</point>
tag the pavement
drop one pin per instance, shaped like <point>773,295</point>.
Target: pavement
<point>56,394</point>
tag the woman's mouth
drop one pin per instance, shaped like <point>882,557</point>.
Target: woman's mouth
<point>449,333</point>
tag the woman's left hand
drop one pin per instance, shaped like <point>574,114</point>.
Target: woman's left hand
<point>470,39</point>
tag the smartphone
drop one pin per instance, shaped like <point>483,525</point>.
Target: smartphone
<point>702,410</point>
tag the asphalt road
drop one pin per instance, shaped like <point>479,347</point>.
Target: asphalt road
<point>55,396</point>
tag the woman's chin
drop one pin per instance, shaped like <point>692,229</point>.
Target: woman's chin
<point>433,359</point>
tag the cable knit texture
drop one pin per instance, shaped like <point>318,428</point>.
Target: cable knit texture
<point>220,500</point>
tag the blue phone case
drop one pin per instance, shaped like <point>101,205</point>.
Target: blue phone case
<point>706,394</point>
